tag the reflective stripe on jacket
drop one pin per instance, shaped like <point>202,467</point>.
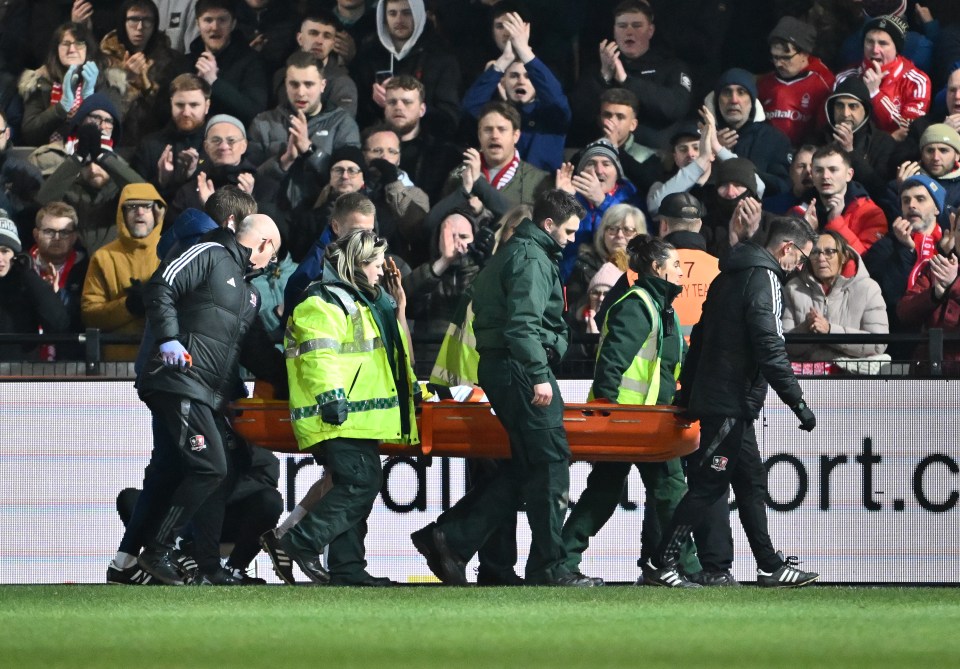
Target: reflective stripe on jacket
<point>640,383</point>
<point>334,351</point>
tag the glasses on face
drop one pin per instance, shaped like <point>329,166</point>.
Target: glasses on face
<point>273,256</point>
<point>349,171</point>
<point>782,58</point>
<point>804,258</point>
<point>146,21</point>
<point>229,141</point>
<point>53,233</point>
<point>137,206</point>
<point>830,253</point>
<point>68,44</point>
<point>626,231</point>
<point>100,121</point>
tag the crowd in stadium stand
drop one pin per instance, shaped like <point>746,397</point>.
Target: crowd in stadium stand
<point>119,118</point>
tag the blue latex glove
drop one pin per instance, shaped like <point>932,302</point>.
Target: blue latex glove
<point>90,73</point>
<point>69,94</point>
<point>173,353</point>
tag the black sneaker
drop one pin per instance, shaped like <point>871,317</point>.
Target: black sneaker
<point>432,544</point>
<point>710,578</point>
<point>309,564</point>
<point>575,579</point>
<point>367,581</point>
<point>185,563</point>
<point>132,575</point>
<point>668,577</point>
<point>218,576</point>
<point>501,578</point>
<point>787,576</point>
<point>245,578</point>
<point>161,565</point>
<point>596,580</point>
<point>282,564</point>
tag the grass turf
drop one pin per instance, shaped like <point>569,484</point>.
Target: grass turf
<point>275,627</point>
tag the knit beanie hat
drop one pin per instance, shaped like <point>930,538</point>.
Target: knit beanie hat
<point>794,31</point>
<point>892,25</point>
<point>937,192</point>
<point>738,171</point>
<point>941,133</point>
<point>9,236</point>
<point>737,77</point>
<point>607,275</point>
<point>225,118</point>
<point>351,153</point>
<point>604,148</point>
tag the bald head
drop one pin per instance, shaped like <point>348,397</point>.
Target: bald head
<point>259,233</point>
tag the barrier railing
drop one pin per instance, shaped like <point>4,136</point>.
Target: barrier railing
<point>578,364</point>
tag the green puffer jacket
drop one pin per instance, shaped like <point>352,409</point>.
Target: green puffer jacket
<point>518,302</point>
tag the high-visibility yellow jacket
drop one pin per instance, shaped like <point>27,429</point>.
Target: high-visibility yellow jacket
<point>635,347</point>
<point>340,360</point>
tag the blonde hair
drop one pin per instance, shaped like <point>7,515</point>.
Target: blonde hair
<point>615,216</point>
<point>509,221</point>
<point>350,253</point>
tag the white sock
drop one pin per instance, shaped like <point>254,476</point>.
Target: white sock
<point>295,517</point>
<point>124,560</point>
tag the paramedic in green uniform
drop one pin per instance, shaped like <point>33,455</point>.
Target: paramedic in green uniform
<point>520,332</point>
<point>352,387</point>
<point>641,349</point>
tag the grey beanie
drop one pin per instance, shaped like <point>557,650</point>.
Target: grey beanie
<point>225,118</point>
<point>8,234</point>
<point>601,147</point>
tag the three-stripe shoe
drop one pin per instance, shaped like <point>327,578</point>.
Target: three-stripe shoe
<point>132,575</point>
<point>282,564</point>
<point>787,576</point>
<point>668,577</point>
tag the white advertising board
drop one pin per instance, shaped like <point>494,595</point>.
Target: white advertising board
<point>870,496</point>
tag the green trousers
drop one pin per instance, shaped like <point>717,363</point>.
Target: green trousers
<point>665,487</point>
<point>340,518</point>
<point>537,475</point>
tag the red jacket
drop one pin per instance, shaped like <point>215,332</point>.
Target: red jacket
<point>918,307</point>
<point>903,96</point>
<point>862,222</point>
<point>795,107</point>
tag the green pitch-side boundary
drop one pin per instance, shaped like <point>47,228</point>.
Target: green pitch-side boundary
<point>276,627</point>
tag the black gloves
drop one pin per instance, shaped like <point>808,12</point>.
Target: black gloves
<point>388,171</point>
<point>333,412</point>
<point>807,420</point>
<point>88,143</point>
<point>483,243</point>
<point>134,301</point>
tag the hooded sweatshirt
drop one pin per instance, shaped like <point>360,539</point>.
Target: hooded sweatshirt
<point>872,147</point>
<point>759,142</point>
<point>116,267</point>
<point>419,21</point>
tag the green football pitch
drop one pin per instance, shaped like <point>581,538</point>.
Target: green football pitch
<point>278,627</point>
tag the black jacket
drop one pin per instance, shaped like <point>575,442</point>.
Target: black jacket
<point>201,299</point>
<point>27,302</point>
<point>740,338</point>
<point>242,84</point>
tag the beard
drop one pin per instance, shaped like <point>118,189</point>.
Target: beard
<point>188,124</point>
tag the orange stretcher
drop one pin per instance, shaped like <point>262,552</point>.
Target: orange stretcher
<point>596,431</point>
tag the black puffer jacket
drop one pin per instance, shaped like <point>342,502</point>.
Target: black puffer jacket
<point>740,340</point>
<point>201,299</point>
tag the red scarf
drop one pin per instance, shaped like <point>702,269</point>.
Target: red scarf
<point>503,177</point>
<point>926,246</point>
<point>48,352</point>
